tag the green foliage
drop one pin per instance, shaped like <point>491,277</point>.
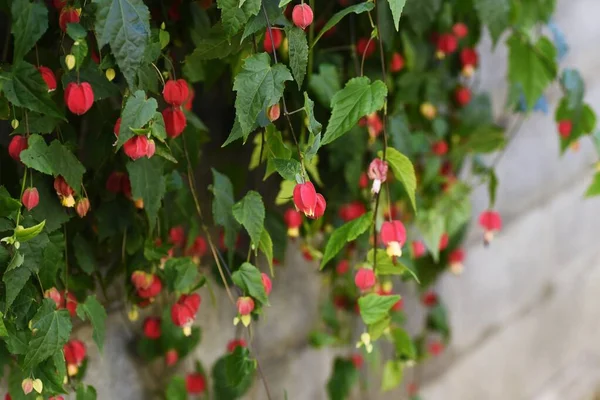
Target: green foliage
<point>250,213</point>
<point>248,279</point>
<point>148,184</point>
<point>343,377</point>
<point>298,53</point>
<point>344,234</point>
<point>29,22</point>
<point>93,310</point>
<point>374,307</point>
<point>494,14</point>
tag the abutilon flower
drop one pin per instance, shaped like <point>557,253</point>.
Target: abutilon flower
<point>234,344</point>
<point>565,127</point>
<point>363,181</point>
<point>75,353</point>
<point>152,328</point>
<point>176,93</point>
<point>364,279</point>
<point>245,306</point>
<point>198,248</point>
<point>456,259</point>
<point>56,398</point>
<point>435,348</point>
<point>139,146</point>
<point>491,222</point>
<point>393,236</point>
<point>460,30</point>
<point>82,207</point>
<point>189,102</point>
<point>266,282</point>
<point>64,191</point>
<point>462,95</point>
<point>342,267</point>
<point>183,313</point>
<point>79,98</point>
<point>30,198</point>
<point>305,198</point>
<point>48,77</point>
<point>16,146</point>
<point>429,299</point>
<point>444,239</point>
<point>302,15</point>
<point>418,249</point>
<point>195,383</point>
<point>171,357</point>
<point>439,148</point>
<point>59,4</point>
<point>274,112</point>
<point>117,127</point>
<point>71,303</point>
<point>357,360</point>
<point>152,290</point>
<point>141,280</point>
<point>68,15</point>
<point>447,44</point>
<point>397,63</point>
<point>293,220</point>
<point>428,110</point>
<point>175,121</point>
<point>469,60</point>
<point>177,236</point>
<point>366,47</point>
<point>351,211</point>
<point>373,123</point>
<point>378,170</point>
<point>276,40</point>
<point>55,296</point>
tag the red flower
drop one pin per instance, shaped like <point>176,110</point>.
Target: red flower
<point>235,343</point>
<point>274,112</point>
<point>447,44</point>
<point>175,121</point>
<point>364,278</point>
<point>302,15</point>
<point>399,305</point>
<point>293,220</point>
<point>418,248</point>
<point>138,147</point>
<point>429,299</point>
<point>439,148</point>
<point>171,357</point>
<point>177,236</point>
<point>16,146</point>
<point>435,348</point>
<point>378,170</point>
<point>393,236</point>
<point>198,248</point>
<point>79,97</point>
<point>320,207</point>
<point>68,15</point>
<point>176,92</point>
<point>469,60</point>
<point>444,241</point>
<point>61,187</point>
<point>374,124</point>
<point>266,281</point>
<point>195,383</point>
<point>462,95</point>
<point>342,267</point>
<point>59,4</point>
<point>74,352</point>
<point>397,63</point>
<point>30,198</point>
<point>245,305</point>
<point>55,295</point>
<point>491,222</point>
<point>141,280</point>
<point>268,44</point>
<point>71,304</point>
<point>152,328</point>
<point>357,360</point>
<point>305,198</point>
<point>366,47</point>
<point>48,77</point>
<point>183,313</point>
<point>363,181</point>
<point>174,14</point>
<point>188,103</point>
<point>456,259</point>
<point>56,398</point>
<point>117,127</point>
<point>564,128</point>
<point>412,389</point>
<point>153,290</point>
<point>351,211</point>
<point>460,30</point>
<point>82,207</point>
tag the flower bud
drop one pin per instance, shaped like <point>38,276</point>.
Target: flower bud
<point>274,112</point>
<point>30,198</point>
<point>175,121</point>
<point>70,61</point>
<point>79,97</point>
<point>302,15</point>
<point>176,92</point>
<point>273,38</point>
<point>16,146</point>
<point>110,74</point>
<point>364,279</point>
<point>48,77</point>
<point>82,207</point>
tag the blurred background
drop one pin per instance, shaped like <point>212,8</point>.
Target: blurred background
<point>525,313</point>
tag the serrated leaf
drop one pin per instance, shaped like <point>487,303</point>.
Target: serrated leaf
<point>90,73</point>
<point>404,171</point>
<point>374,307</point>
<point>3,331</point>
<point>250,213</point>
<point>216,44</point>
<point>51,330</point>
<point>124,24</point>
<point>266,246</point>
<point>287,168</point>
<point>344,234</point>
<point>14,282</point>
<point>313,125</point>
<point>484,139</point>
<point>403,344</point>
<point>258,86</point>
<point>594,188</point>
<point>325,84</point>
<point>15,262</point>
<point>298,48</point>
<point>432,227</point>
<point>385,265</point>
<point>181,274</point>
<point>495,15</point>
<point>93,311</point>
<point>248,279</point>
<point>393,372</point>
<point>222,207</point>
<point>24,234</point>
<point>24,87</point>
<point>337,17</point>
<point>76,31</point>
<point>29,22</point>
<point>234,16</point>
<point>531,66</point>
<point>286,190</point>
<point>147,183</point>
<point>137,113</point>
<point>396,6</point>
<point>238,366</point>
<point>358,98</point>
<point>8,205</point>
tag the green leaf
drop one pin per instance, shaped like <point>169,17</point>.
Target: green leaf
<point>29,22</point>
<point>298,48</point>
<point>484,139</point>
<point>313,125</point>
<point>84,254</point>
<point>181,274</point>
<point>124,24</point>
<point>359,97</point>
<point>51,330</point>
<point>234,14</point>
<point>337,17</point>
<point>403,344</point>
<point>85,392</point>
<point>259,85</point>
<point>93,310</point>
<point>396,6</point>
<point>3,331</point>
<point>137,113</point>
<point>248,279</point>
<point>76,31</point>
<point>266,246</point>
<point>238,366</point>
<point>24,234</point>
<point>532,67</point>
<point>15,262</point>
<point>385,265</point>
<point>288,169</point>
<point>222,207</point>
<point>14,281</point>
<point>216,44</point>
<point>404,172</point>
<point>432,227</point>
<point>343,378</point>
<point>495,15</point>
<point>346,233</point>
<point>176,389</point>
<point>8,205</point>
<point>421,13</point>
<point>594,188</point>
<point>392,375</point>
<point>24,87</point>
<point>374,307</point>
<point>325,84</point>
<point>250,212</point>
<point>148,184</point>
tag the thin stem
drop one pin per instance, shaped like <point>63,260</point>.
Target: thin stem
<point>364,55</point>
<point>159,74</point>
<point>258,367</point>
